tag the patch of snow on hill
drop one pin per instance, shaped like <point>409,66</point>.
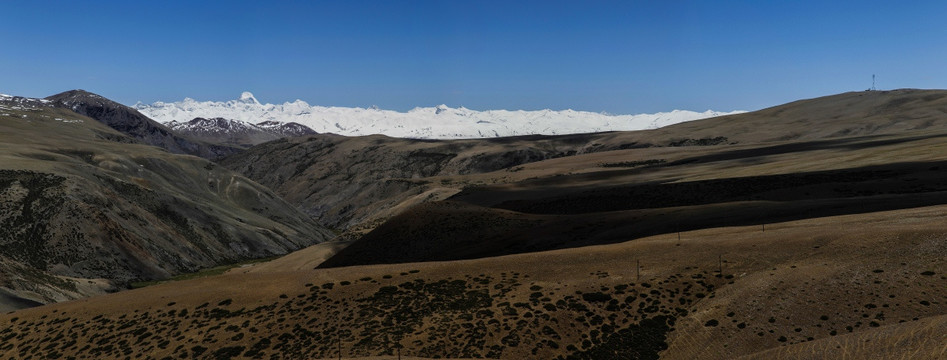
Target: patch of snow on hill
<point>439,122</point>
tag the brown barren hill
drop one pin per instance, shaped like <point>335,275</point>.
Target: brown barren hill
<point>358,182</point>
<point>687,191</point>
<point>84,209</point>
<point>796,284</point>
<point>805,229</point>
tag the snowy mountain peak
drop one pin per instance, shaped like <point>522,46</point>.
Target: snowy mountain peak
<point>439,122</point>
<point>247,98</point>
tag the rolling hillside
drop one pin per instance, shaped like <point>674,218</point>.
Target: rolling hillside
<point>799,240</point>
<point>358,182</point>
<point>85,209</point>
<point>797,289</point>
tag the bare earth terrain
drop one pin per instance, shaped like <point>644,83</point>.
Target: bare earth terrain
<point>815,230</point>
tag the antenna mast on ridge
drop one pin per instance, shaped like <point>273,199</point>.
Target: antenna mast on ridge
<point>873,82</point>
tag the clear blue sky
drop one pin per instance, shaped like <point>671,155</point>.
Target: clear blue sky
<point>619,57</point>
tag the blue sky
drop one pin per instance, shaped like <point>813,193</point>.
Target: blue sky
<point>619,57</point>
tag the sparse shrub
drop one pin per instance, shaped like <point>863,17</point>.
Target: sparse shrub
<point>596,297</point>
<point>229,352</point>
<point>197,350</point>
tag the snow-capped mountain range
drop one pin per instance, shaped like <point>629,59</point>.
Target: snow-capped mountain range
<point>236,132</point>
<point>440,122</point>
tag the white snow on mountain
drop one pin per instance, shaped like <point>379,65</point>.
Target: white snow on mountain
<point>202,127</point>
<point>215,125</point>
<point>440,122</point>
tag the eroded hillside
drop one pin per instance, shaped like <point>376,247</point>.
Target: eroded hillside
<point>84,210</point>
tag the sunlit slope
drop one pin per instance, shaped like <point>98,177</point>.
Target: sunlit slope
<point>796,284</point>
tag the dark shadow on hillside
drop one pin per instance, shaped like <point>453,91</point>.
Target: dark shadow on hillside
<point>453,230</point>
<point>899,178</point>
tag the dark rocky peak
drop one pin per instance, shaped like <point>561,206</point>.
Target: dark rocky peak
<point>115,115</point>
<point>130,122</point>
<point>82,97</point>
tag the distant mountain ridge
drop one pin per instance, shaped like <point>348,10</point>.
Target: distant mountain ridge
<point>440,122</point>
<point>236,132</point>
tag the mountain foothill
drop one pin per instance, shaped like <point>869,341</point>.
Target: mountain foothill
<point>812,229</point>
